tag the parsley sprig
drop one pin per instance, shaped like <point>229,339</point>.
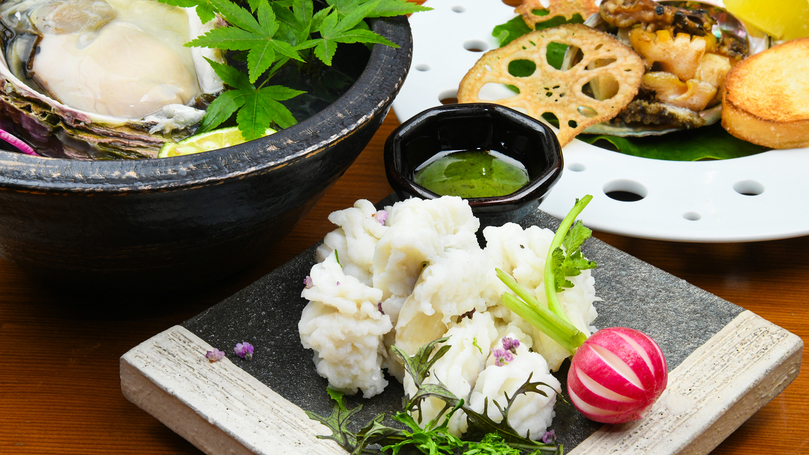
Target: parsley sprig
<point>559,265</point>
<point>484,436</point>
<point>268,34</point>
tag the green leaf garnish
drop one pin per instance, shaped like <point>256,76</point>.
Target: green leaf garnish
<point>560,264</point>
<point>255,107</point>
<point>484,435</point>
<point>338,421</point>
<point>271,34</point>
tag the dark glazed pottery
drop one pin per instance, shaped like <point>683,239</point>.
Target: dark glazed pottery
<point>174,223</point>
<point>477,126</point>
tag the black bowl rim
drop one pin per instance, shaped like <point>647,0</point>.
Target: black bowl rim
<point>385,73</point>
<point>539,184</point>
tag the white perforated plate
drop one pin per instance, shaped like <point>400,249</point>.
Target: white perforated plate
<point>761,197</point>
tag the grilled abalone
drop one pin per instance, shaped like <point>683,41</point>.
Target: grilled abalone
<point>688,48</point>
<point>108,78</point>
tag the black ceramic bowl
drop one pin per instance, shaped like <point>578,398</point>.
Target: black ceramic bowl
<point>477,126</point>
<point>179,222</point>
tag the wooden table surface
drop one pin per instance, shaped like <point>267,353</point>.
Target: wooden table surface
<point>59,350</point>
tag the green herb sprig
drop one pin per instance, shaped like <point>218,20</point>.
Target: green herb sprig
<point>560,264</point>
<point>270,33</point>
<point>484,435</point>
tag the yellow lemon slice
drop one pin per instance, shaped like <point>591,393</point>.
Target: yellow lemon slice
<point>205,142</point>
<point>783,19</point>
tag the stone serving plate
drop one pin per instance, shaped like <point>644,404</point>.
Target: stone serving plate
<point>175,223</point>
<point>724,362</point>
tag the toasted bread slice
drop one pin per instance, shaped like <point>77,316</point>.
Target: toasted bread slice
<point>766,97</point>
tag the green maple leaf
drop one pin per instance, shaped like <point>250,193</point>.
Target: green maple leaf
<point>256,108</point>
<point>204,8</point>
<point>254,34</point>
<point>343,23</point>
<point>294,19</point>
<point>390,8</point>
<point>265,36</point>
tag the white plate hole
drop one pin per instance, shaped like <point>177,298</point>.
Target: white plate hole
<point>493,91</point>
<point>577,167</point>
<point>625,190</point>
<point>459,9</point>
<point>748,188</point>
<point>422,67</point>
<point>475,46</point>
<point>692,216</point>
<point>448,97</point>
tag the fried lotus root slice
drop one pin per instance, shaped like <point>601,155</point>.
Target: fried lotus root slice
<point>566,8</point>
<point>559,92</point>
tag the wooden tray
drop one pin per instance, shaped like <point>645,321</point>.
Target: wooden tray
<point>725,363</point>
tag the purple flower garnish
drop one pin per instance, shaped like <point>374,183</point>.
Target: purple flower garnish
<point>244,350</point>
<point>381,216</point>
<point>215,355</point>
<point>549,437</point>
<point>502,357</point>
<point>307,282</point>
<point>511,344</point>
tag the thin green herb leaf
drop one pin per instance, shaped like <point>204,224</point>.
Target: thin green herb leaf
<point>418,366</point>
<point>338,422</point>
<point>433,437</point>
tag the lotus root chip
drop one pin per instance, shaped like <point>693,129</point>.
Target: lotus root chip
<point>566,8</point>
<point>559,92</point>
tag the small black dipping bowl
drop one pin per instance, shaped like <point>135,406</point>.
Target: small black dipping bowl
<point>477,126</point>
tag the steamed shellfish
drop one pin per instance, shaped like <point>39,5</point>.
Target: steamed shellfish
<point>688,48</point>
<point>107,77</point>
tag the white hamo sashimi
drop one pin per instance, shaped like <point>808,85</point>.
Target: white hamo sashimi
<point>458,369</point>
<point>531,414</point>
<point>431,279</point>
<point>343,325</point>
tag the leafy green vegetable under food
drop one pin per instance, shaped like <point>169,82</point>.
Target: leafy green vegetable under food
<point>560,264</point>
<point>707,143</point>
<point>266,35</point>
<point>484,435</point>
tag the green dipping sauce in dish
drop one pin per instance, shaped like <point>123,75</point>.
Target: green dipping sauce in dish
<point>472,174</point>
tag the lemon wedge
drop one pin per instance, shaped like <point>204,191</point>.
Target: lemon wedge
<point>783,20</point>
<point>205,142</point>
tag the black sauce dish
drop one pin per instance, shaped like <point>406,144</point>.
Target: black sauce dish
<point>477,126</point>
<point>182,223</point>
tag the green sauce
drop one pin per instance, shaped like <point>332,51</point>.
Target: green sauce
<point>470,174</point>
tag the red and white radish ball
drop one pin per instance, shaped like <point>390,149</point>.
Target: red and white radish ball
<point>616,375</point>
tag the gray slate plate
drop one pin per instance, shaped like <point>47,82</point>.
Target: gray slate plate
<point>694,328</point>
